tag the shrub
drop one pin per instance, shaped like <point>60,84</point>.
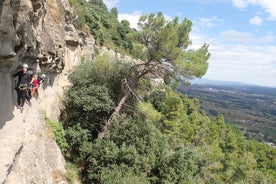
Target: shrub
<point>72,173</point>
<point>58,133</point>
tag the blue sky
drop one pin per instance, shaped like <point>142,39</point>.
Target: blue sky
<point>241,33</point>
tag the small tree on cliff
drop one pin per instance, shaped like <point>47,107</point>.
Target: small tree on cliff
<point>160,42</point>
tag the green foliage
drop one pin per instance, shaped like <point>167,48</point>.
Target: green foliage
<point>181,166</point>
<point>91,99</point>
<point>148,110</point>
<point>169,141</point>
<point>132,144</point>
<point>172,106</point>
<point>121,175</point>
<point>157,98</point>
<point>135,151</point>
<point>102,72</point>
<point>79,8</point>
<point>226,151</point>
<point>79,139</point>
<point>194,64</point>
<point>114,11</point>
<point>103,24</point>
<point>58,133</point>
<point>159,39</point>
<point>166,137</point>
<point>72,173</point>
<point>265,156</point>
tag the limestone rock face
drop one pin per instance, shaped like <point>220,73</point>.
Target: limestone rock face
<point>8,35</point>
<point>42,34</point>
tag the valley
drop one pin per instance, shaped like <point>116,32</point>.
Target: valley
<point>250,108</point>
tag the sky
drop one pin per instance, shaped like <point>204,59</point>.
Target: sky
<point>241,33</point>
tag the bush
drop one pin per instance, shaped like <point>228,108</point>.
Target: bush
<point>121,174</point>
<point>58,134</point>
<point>72,173</point>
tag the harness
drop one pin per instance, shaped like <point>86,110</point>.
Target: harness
<point>22,87</point>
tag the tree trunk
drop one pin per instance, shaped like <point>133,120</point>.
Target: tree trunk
<point>127,91</point>
<point>114,114</point>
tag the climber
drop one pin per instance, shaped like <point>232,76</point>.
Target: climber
<point>41,79</point>
<point>29,89</point>
<point>34,85</point>
<point>22,85</point>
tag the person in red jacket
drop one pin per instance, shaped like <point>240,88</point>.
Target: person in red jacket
<point>34,85</point>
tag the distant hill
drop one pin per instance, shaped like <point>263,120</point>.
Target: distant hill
<point>222,83</point>
<point>251,108</point>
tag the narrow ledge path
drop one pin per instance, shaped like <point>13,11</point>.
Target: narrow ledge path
<point>28,153</point>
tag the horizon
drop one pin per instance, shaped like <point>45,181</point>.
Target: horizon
<point>220,82</point>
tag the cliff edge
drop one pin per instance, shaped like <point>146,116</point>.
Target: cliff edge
<point>42,34</point>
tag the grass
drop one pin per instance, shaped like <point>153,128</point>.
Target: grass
<point>58,176</point>
<point>57,132</point>
<point>72,173</point>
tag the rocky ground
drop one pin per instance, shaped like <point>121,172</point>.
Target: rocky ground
<point>39,33</point>
<point>27,147</point>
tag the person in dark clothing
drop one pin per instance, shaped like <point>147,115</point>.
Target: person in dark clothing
<point>41,79</point>
<point>29,89</point>
<point>22,85</point>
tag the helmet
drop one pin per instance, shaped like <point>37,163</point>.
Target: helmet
<point>24,65</point>
<point>43,75</point>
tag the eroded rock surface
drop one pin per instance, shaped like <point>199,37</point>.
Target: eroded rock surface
<point>42,34</point>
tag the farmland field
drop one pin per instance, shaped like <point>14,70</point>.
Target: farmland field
<point>250,108</point>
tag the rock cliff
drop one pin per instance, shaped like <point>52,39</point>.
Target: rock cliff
<point>42,34</point>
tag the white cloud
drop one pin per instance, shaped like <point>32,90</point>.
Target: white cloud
<point>242,61</point>
<point>268,5</point>
<point>237,37</point>
<point>269,38</point>
<point>257,21</point>
<point>110,3</point>
<point>168,18</point>
<point>209,22</point>
<point>240,3</point>
<point>198,39</point>
<point>133,18</point>
<point>246,38</point>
